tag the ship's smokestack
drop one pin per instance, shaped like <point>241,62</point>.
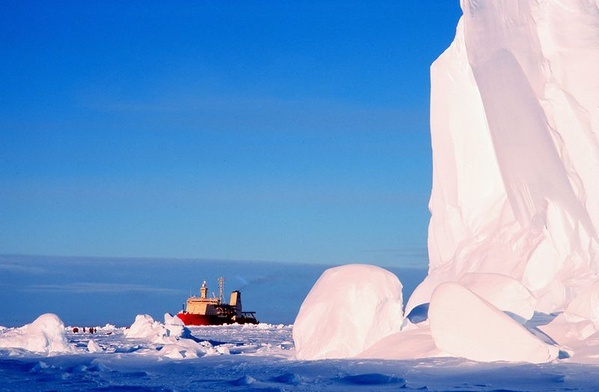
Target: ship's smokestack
<point>236,301</point>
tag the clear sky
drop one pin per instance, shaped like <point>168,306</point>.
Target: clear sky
<point>292,131</point>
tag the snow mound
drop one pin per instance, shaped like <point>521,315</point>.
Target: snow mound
<point>144,327</point>
<point>465,325</point>
<point>93,347</point>
<point>349,308</point>
<point>46,335</point>
<point>171,339</point>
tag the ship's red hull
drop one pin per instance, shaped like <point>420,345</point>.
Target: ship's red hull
<point>202,319</point>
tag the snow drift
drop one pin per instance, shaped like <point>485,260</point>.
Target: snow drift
<point>46,335</point>
<point>172,339</point>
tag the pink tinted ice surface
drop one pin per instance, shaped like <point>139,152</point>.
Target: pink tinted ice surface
<point>515,198</point>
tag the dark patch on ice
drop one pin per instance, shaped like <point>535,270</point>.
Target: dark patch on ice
<point>128,388</point>
<point>418,314</point>
<point>373,379</point>
<point>12,365</point>
<point>187,335</point>
<point>557,378</point>
<point>288,378</point>
<point>516,317</point>
<point>540,334</point>
<point>214,343</point>
<point>539,319</point>
<point>139,374</point>
<point>563,355</point>
<point>505,390</point>
<point>479,387</point>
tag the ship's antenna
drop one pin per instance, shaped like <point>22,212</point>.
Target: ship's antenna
<point>221,288</point>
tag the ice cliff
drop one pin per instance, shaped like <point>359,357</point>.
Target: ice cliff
<point>514,205</point>
<point>514,128</point>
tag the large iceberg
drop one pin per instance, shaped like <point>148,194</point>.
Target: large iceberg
<point>514,127</point>
<point>514,204</point>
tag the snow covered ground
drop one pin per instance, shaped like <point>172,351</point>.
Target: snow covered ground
<point>232,357</point>
<point>258,358</point>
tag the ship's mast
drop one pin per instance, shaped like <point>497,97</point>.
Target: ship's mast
<point>221,288</point>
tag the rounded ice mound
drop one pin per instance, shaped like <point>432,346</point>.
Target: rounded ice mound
<point>45,335</point>
<point>465,325</point>
<point>348,310</point>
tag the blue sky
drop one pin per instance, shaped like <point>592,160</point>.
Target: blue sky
<point>292,131</point>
